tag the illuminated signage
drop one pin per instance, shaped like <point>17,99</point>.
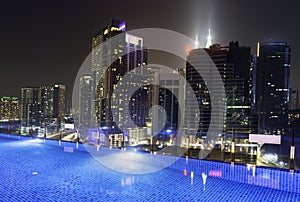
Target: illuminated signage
<point>265,139</point>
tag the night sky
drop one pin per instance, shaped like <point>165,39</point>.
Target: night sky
<point>45,42</point>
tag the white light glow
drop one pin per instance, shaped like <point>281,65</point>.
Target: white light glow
<point>209,37</point>
<point>196,44</point>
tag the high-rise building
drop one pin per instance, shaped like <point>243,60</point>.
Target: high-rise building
<point>31,113</point>
<point>198,60</point>
<point>9,108</point>
<point>59,100</point>
<point>239,90</point>
<point>272,86</point>
<point>234,66</point>
<point>47,103</point>
<point>110,62</point>
<point>53,101</point>
<point>137,103</point>
<point>168,99</point>
<point>85,101</point>
<point>41,106</point>
<point>240,58</point>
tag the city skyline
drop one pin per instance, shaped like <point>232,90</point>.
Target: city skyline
<point>195,100</point>
<point>55,37</point>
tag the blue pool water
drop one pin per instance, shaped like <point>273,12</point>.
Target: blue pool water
<point>35,171</point>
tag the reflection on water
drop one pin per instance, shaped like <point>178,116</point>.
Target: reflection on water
<point>204,176</point>
<point>215,173</point>
<point>192,177</point>
<point>109,191</point>
<point>128,181</point>
<point>249,174</point>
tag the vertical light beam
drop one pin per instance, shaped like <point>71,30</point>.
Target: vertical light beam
<point>208,43</point>
<point>196,44</point>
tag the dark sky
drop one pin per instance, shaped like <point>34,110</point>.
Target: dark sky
<point>45,42</point>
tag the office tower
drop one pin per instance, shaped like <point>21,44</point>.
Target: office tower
<point>197,58</point>
<point>53,105</point>
<point>239,90</point>
<point>31,114</point>
<point>9,108</point>
<point>53,101</point>
<point>272,85</point>
<point>240,58</point>
<point>110,62</point>
<point>234,66</point>
<point>168,98</point>
<point>47,103</point>
<point>101,57</point>
<point>85,101</point>
<point>48,120</point>
<point>59,104</point>
<point>41,106</point>
<point>136,103</point>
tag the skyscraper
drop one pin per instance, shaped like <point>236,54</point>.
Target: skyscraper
<point>168,93</point>
<point>31,113</point>
<point>239,90</point>
<point>9,108</point>
<point>85,101</point>
<point>53,101</point>
<point>234,66</point>
<point>41,106</point>
<point>110,62</point>
<point>272,85</point>
<point>197,59</point>
<point>59,96</point>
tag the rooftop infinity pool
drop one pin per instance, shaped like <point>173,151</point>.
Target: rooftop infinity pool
<point>34,170</point>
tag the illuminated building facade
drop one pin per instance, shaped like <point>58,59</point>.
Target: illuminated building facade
<point>85,101</point>
<point>272,86</point>
<point>9,108</point>
<point>234,65</point>
<point>138,104</point>
<point>53,101</point>
<point>41,106</point>
<point>168,98</point>
<point>110,62</point>
<point>31,114</point>
<point>198,85</point>
<point>59,105</point>
<point>239,90</point>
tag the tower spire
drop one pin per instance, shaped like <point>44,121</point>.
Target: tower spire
<point>208,43</point>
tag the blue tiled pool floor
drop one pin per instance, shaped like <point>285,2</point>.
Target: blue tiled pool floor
<point>32,171</point>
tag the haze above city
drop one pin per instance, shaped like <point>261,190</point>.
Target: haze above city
<point>45,42</point>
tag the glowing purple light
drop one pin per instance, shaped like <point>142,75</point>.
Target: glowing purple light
<point>122,26</point>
